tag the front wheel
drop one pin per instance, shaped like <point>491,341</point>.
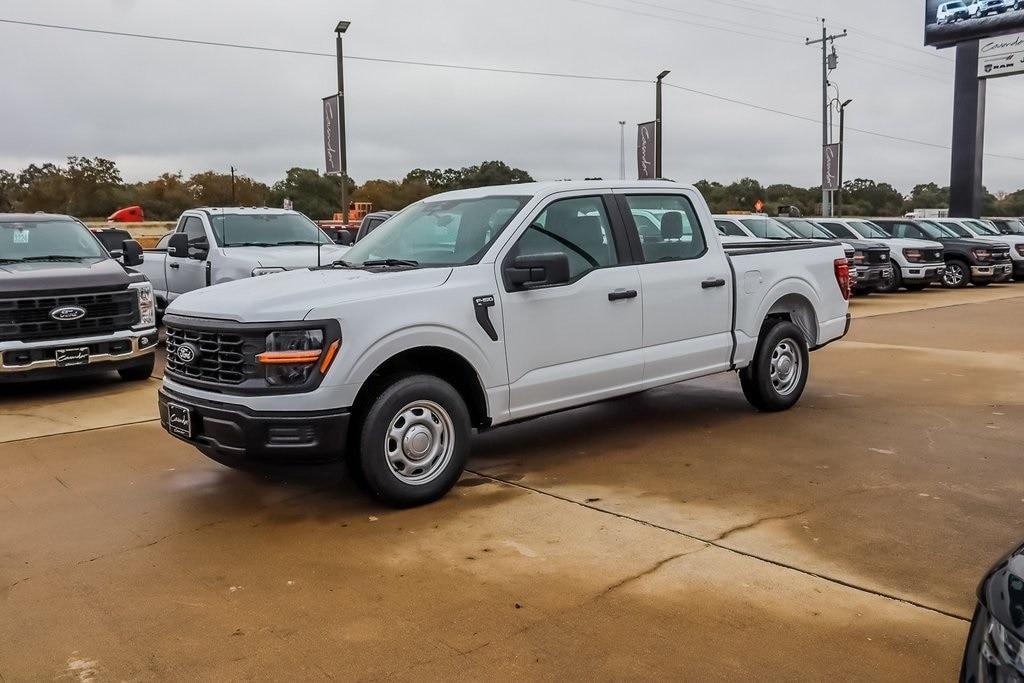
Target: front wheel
<point>893,284</point>
<point>414,441</point>
<point>776,378</point>
<point>956,275</point>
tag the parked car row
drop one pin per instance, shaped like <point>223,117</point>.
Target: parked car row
<point>907,253</point>
<point>962,10</point>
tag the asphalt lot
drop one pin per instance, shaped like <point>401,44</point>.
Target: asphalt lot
<point>675,534</point>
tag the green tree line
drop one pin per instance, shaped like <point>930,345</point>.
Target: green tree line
<point>93,188</point>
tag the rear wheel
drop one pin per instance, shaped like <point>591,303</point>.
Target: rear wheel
<point>956,276</point>
<point>776,378</point>
<point>414,441</point>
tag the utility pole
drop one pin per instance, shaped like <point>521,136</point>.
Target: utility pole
<point>657,126</point>
<point>827,64</point>
<point>622,150</point>
<point>233,202</point>
<point>338,31</point>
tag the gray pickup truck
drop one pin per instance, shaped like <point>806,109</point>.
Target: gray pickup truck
<point>67,307</point>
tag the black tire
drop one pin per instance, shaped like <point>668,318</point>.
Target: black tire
<point>895,283</point>
<point>764,392</point>
<point>142,370</point>
<point>957,275</point>
<point>425,410</point>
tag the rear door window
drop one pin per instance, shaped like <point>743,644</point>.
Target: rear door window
<point>674,233</point>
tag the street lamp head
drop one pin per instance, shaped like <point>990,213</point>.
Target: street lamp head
<point>663,74</point>
<point>342,26</point>
<point>846,103</point>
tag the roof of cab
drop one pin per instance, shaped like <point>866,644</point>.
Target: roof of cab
<point>555,186</point>
<point>258,210</point>
<point>25,217</point>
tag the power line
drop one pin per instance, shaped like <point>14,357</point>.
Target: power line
<point>464,67</point>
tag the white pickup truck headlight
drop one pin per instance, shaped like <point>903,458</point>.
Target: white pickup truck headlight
<point>147,305</point>
<point>256,272</point>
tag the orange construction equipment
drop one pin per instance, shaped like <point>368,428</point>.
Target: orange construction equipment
<point>356,212</point>
<point>129,214</point>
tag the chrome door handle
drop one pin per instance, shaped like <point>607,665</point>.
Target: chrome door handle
<point>622,294</point>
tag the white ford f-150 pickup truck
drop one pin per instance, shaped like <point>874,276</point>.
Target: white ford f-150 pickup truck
<point>476,308</point>
<point>210,246</point>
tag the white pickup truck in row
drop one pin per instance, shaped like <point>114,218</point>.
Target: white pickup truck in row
<point>477,308</point>
<point>214,245</point>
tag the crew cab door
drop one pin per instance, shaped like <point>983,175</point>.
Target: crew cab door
<point>185,274</point>
<point>577,342</point>
<point>687,285</point>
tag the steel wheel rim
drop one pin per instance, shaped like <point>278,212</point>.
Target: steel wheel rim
<point>419,442</point>
<point>786,367</point>
<point>954,274</point>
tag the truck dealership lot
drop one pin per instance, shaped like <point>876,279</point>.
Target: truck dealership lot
<point>672,533</point>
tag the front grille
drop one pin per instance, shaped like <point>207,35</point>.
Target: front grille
<point>997,256</point>
<point>931,255</point>
<point>26,318</point>
<point>878,256</point>
<point>223,356</point>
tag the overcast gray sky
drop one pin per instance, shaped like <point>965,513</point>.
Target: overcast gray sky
<point>157,106</point>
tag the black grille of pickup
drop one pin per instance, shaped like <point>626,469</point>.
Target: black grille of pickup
<point>225,357</point>
<point>931,255</point>
<point>996,256</point>
<point>877,256</point>
<point>25,318</point>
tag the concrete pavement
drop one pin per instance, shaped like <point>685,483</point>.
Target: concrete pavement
<point>671,534</point>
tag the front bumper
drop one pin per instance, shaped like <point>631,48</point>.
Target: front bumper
<point>37,360</point>
<point>993,273</point>
<point>233,433</point>
<point>871,277</point>
<point>923,272</point>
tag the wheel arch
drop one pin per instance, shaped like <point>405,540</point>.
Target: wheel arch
<point>797,309</point>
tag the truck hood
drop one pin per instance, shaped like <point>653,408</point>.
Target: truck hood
<point>907,243</point>
<point>294,256</point>
<point>291,296</point>
<point>54,275</point>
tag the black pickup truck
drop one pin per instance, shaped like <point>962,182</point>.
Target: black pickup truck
<point>968,261</point>
<point>67,307</point>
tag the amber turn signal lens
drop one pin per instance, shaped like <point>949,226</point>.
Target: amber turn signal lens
<point>332,351</point>
<point>288,357</point>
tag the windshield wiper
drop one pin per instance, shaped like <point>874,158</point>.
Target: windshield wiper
<point>52,257</point>
<point>250,244</point>
<point>391,263</point>
<point>296,242</point>
<point>342,263</point>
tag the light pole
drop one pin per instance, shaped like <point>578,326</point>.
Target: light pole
<point>622,150</point>
<point>842,153</point>
<point>338,31</point>
<point>657,125</point>
<point>828,63</point>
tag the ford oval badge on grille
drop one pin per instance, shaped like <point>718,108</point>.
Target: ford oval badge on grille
<point>187,353</point>
<point>65,313</point>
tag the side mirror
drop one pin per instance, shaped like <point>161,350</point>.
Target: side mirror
<point>538,270</point>
<point>199,250</point>
<point>131,253</point>
<point>177,246</point>
<point>344,238</point>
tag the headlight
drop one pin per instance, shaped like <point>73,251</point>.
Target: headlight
<point>292,356</point>
<point>1020,249</point>
<point>982,254</point>
<point>859,257</point>
<point>913,255</point>
<point>147,306</point>
<point>993,652</point>
<point>256,272</point>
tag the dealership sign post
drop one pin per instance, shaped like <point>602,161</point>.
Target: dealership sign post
<point>647,150</point>
<point>983,33</point>
<point>830,167</point>
<point>334,151</point>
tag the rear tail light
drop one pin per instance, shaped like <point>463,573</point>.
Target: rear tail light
<point>842,269</point>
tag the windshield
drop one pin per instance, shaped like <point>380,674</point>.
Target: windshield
<point>1012,227</point>
<point>937,231</point>
<point>869,231</point>
<point>455,232</point>
<point>808,229</point>
<point>265,230</point>
<point>768,228</point>
<point>48,239</point>
<point>984,228</point>
<point>957,230</point>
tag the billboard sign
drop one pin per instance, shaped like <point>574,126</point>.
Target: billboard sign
<point>830,179</point>
<point>647,150</point>
<point>1001,56</point>
<point>334,151</point>
<point>947,22</point>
